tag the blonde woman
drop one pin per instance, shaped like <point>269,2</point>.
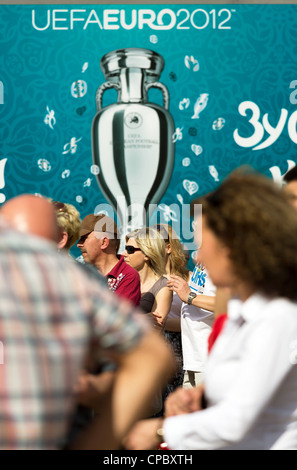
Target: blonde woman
<point>175,264</point>
<point>145,252</point>
<point>68,219</point>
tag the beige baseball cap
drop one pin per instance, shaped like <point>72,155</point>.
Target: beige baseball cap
<point>98,223</point>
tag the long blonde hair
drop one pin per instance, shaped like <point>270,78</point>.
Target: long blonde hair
<point>177,259</point>
<point>152,245</point>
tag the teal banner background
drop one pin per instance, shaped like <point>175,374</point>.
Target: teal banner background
<point>239,60</point>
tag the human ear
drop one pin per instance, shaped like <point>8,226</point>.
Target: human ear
<point>104,242</point>
<point>63,239</point>
<point>168,248</point>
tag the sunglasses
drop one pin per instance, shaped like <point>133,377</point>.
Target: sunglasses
<point>59,206</point>
<point>131,249</point>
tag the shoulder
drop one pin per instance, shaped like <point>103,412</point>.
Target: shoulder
<point>276,315</point>
<point>282,309</point>
<point>161,288</point>
<point>90,270</point>
<point>22,243</point>
<point>163,281</point>
<point>127,270</point>
<point>160,283</point>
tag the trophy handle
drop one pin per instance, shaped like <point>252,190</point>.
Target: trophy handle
<point>164,90</point>
<point>101,90</point>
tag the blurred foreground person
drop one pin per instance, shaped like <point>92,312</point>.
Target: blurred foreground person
<point>249,398</point>
<point>31,214</point>
<point>54,319</point>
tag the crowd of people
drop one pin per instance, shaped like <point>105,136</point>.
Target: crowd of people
<point>132,350</point>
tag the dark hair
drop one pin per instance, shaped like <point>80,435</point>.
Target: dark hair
<point>251,216</point>
<point>291,175</point>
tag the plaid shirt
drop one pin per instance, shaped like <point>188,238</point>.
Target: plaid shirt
<point>50,310</point>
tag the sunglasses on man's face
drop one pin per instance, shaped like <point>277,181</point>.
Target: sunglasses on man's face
<point>131,249</point>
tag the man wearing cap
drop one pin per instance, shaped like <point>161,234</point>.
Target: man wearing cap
<point>99,244</point>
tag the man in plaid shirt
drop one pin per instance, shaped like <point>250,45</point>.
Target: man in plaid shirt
<point>51,312</point>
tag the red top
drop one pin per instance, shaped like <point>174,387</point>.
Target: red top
<point>124,281</point>
<point>216,329</point>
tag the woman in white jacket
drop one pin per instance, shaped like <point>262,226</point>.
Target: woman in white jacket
<point>249,244</point>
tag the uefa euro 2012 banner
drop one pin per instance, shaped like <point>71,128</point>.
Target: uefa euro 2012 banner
<point>136,110</point>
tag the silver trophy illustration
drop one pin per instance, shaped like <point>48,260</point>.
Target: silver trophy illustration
<point>132,139</point>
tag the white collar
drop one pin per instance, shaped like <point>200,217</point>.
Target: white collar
<point>248,309</point>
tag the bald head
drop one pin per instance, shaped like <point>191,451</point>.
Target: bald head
<point>31,214</point>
